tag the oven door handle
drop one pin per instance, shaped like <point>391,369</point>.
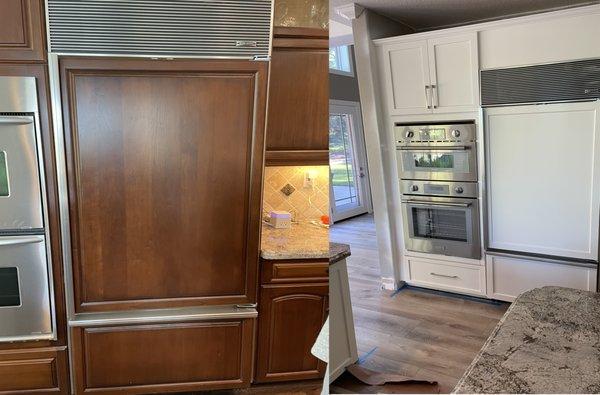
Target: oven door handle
<point>15,120</point>
<point>440,204</point>
<point>21,240</point>
<point>433,148</point>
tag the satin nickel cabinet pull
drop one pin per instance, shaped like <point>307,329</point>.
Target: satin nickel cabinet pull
<point>246,306</point>
<point>434,94</point>
<point>442,275</point>
<point>427,98</point>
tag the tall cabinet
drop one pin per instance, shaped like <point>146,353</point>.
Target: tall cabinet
<point>35,366</point>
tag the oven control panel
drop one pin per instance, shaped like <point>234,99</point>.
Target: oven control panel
<point>415,133</point>
<point>439,188</point>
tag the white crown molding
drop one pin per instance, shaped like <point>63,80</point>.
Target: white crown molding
<point>349,11</point>
<point>549,15</point>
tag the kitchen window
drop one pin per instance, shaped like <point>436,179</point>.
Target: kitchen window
<point>340,61</point>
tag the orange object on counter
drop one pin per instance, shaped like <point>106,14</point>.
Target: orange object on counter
<point>325,219</point>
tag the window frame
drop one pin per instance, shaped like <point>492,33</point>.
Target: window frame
<point>350,62</point>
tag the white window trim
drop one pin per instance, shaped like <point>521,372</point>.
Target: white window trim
<point>350,63</point>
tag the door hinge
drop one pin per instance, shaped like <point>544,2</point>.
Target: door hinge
<point>246,306</point>
<point>261,58</point>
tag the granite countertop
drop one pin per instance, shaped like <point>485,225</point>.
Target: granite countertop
<point>337,252</point>
<point>301,241</point>
<point>547,342</point>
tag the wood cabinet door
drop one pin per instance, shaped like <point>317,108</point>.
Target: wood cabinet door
<point>298,118</point>
<point>160,358</point>
<point>454,70</point>
<point>290,319</point>
<point>22,30</point>
<point>164,167</point>
<point>406,78</point>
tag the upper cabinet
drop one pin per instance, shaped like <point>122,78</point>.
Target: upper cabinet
<point>297,123</point>
<point>435,75</point>
<point>22,31</point>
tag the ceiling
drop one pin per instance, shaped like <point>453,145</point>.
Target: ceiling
<point>434,14</point>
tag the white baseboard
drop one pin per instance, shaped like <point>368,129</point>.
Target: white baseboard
<point>389,284</point>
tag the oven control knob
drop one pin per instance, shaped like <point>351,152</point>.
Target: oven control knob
<point>410,134</point>
<point>458,190</point>
<point>456,133</point>
<point>414,188</point>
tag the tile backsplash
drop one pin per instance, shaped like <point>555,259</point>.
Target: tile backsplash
<point>304,203</point>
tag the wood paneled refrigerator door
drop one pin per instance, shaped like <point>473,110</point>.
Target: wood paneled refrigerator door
<point>164,166</point>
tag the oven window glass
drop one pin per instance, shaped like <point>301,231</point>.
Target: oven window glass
<point>441,224</point>
<point>9,287</point>
<point>3,175</point>
<point>433,160</point>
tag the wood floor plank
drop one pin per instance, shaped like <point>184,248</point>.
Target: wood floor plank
<point>414,332</point>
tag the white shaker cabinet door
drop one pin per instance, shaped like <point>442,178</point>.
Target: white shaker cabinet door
<point>453,66</point>
<point>543,168</point>
<point>406,78</point>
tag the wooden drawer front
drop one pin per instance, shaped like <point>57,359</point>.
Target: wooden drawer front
<point>33,370</point>
<point>295,271</point>
<point>290,319</point>
<point>447,276</point>
<point>166,357</point>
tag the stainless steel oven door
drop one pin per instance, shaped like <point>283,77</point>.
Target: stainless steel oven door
<point>442,163</point>
<point>25,307</point>
<point>446,226</point>
<point>20,191</point>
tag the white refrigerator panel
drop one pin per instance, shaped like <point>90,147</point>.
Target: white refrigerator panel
<point>543,179</point>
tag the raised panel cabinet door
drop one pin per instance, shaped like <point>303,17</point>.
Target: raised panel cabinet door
<point>290,319</point>
<point>453,66</point>
<point>22,30</point>
<point>166,357</point>
<point>298,116</point>
<point>406,77</point>
<point>164,167</point>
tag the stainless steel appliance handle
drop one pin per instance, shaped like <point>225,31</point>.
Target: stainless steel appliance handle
<point>21,240</point>
<point>434,94</point>
<point>433,148</point>
<point>441,204</point>
<point>427,100</point>
<point>15,120</point>
<point>442,275</point>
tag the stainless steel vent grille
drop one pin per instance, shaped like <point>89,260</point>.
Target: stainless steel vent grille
<point>543,83</point>
<point>202,28</point>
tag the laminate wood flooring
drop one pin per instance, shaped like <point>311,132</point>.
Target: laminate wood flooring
<point>415,332</point>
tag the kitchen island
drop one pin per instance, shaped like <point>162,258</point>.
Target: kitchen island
<point>547,342</point>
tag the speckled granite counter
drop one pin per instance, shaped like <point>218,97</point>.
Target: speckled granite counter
<point>547,342</point>
<point>301,241</point>
<point>337,252</point>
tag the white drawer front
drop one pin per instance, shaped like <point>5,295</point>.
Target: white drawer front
<point>508,277</point>
<point>447,276</point>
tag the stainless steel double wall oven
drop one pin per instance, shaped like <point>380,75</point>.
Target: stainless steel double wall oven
<point>26,306</point>
<point>437,164</point>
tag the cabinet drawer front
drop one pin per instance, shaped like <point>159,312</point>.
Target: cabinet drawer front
<point>448,276</point>
<point>508,277</point>
<point>289,271</point>
<point>33,370</point>
<point>169,357</point>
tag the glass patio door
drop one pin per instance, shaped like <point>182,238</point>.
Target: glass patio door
<point>350,195</point>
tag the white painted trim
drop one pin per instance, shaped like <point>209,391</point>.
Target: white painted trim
<point>592,9</point>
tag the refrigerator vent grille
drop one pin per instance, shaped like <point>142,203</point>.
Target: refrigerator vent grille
<point>578,80</point>
<point>198,28</point>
